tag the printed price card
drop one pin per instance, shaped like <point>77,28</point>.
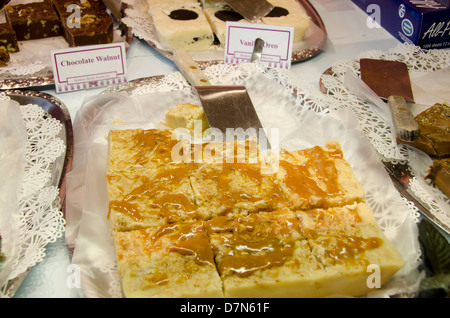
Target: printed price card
<point>89,66</point>
<point>240,40</point>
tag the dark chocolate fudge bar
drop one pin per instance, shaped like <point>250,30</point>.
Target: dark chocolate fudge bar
<point>94,28</point>
<point>8,39</point>
<point>34,20</point>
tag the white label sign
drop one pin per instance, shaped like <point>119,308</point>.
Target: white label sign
<point>240,40</point>
<point>89,66</point>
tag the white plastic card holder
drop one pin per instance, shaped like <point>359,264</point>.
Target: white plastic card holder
<point>90,66</point>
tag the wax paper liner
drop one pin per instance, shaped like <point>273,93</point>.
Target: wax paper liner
<point>279,112</point>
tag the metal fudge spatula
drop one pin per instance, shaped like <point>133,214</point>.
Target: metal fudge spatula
<point>251,10</point>
<point>227,108</point>
<point>390,81</point>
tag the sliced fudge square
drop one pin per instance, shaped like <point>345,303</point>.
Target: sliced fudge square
<point>90,28</point>
<point>348,243</point>
<point>225,188</point>
<point>35,20</point>
<point>191,31</point>
<point>172,261</point>
<point>139,198</point>
<point>289,13</point>
<point>8,39</point>
<point>264,255</point>
<point>143,148</point>
<point>357,263</point>
<point>318,177</point>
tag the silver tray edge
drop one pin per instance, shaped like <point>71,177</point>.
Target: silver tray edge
<point>57,110</point>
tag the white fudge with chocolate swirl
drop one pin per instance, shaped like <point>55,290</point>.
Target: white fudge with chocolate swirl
<point>181,25</point>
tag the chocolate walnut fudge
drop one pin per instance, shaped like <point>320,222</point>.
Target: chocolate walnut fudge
<point>37,20</point>
<point>94,26</point>
<point>34,20</point>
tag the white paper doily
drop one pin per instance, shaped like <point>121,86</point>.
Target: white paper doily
<point>33,58</point>
<point>282,101</point>
<point>378,131</point>
<point>40,218</point>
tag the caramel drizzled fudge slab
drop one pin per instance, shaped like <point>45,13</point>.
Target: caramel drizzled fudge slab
<point>213,221</point>
<point>35,20</point>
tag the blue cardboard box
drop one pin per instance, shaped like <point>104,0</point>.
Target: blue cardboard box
<point>425,23</point>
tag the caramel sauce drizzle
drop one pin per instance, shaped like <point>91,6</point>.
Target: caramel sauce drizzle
<point>299,178</point>
<point>322,217</point>
<point>159,278</point>
<point>348,248</point>
<point>154,142</point>
<point>252,244</point>
<point>186,239</point>
<point>130,209</point>
<point>159,191</point>
<point>223,176</point>
<point>219,152</point>
<point>229,198</point>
